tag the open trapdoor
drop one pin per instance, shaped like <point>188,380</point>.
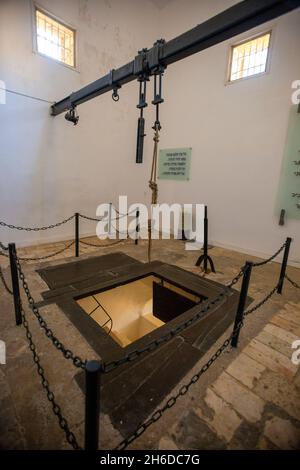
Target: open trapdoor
<point>121,305</point>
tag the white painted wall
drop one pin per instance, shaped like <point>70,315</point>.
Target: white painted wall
<point>50,169</point>
<point>237,131</point>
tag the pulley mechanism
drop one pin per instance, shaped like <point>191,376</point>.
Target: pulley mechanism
<point>158,99</point>
<point>72,115</point>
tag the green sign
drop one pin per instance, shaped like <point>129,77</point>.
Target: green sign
<point>289,189</point>
<point>174,164</point>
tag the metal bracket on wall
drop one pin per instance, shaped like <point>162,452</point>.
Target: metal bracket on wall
<point>281,218</point>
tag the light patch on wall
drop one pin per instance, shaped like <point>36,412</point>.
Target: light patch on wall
<point>2,92</point>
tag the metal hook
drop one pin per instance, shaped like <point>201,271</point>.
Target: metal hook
<point>115,95</point>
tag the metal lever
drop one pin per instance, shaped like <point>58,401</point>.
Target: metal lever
<point>281,218</point>
<point>140,140</point>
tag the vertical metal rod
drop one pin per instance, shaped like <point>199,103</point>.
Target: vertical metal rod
<point>92,404</point>
<point>15,282</point>
<point>205,243</point>
<point>284,265</point>
<point>137,228</point>
<point>76,234</point>
<point>242,302</point>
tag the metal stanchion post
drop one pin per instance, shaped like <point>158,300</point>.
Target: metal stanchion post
<point>284,265</point>
<point>205,258</point>
<point>77,234</point>
<point>242,302</point>
<point>15,282</point>
<point>92,404</point>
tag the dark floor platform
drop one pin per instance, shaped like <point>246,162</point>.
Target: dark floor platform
<point>132,391</point>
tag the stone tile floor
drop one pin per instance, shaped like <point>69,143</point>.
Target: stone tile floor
<point>248,399</point>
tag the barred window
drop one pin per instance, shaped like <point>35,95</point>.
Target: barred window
<point>54,39</point>
<point>250,57</point>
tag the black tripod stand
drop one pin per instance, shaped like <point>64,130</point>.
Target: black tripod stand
<point>205,258</point>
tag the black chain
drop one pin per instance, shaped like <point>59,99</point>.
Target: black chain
<point>181,392</point>
<point>67,353</point>
<point>4,254</point>
<point>91,218</point>
<point>94,219</point>
<point>185,388</point>
<point>236,279</point>
<point>124,231</point>
<point>5,283</point>
<point>62,421</point>
<point>262,302</point>
<point>66,247</point>
<point>150,347</point>
<point>266,261</point>
<point>127,213</point>
<point>3,247</point>
<point>292,282</point>
<point>37,229</point>
<point>104,245</point>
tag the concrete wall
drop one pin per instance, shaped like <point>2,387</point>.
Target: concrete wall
<point>237,132</point>
<point>49,169</point>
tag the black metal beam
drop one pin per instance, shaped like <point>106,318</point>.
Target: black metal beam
<point>231,22</point>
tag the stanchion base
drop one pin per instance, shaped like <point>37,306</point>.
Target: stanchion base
<point>204,259</point>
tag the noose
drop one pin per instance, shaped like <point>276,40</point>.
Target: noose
<point>157,127</point>
<point>154,189</point>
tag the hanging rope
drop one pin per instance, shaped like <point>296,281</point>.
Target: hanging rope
<point>154,188</point>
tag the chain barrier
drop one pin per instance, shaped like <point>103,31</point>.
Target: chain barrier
<point>67,353</point>
<point>110,366</point>
<point>38,258</point>
<point>236,279</point>
<point>104,245</point>
<point>93,219</point>
<point>294,284</point>
<point>124,231</point>
<point>37,229</point>
<point>99,219</point>
<point>127,213</point>
<point>62,421</point>
<point>181,392</point>
<point>262,302</point>
<point>3,247</point>
<point>4,282</point>
<point>266,261</point>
